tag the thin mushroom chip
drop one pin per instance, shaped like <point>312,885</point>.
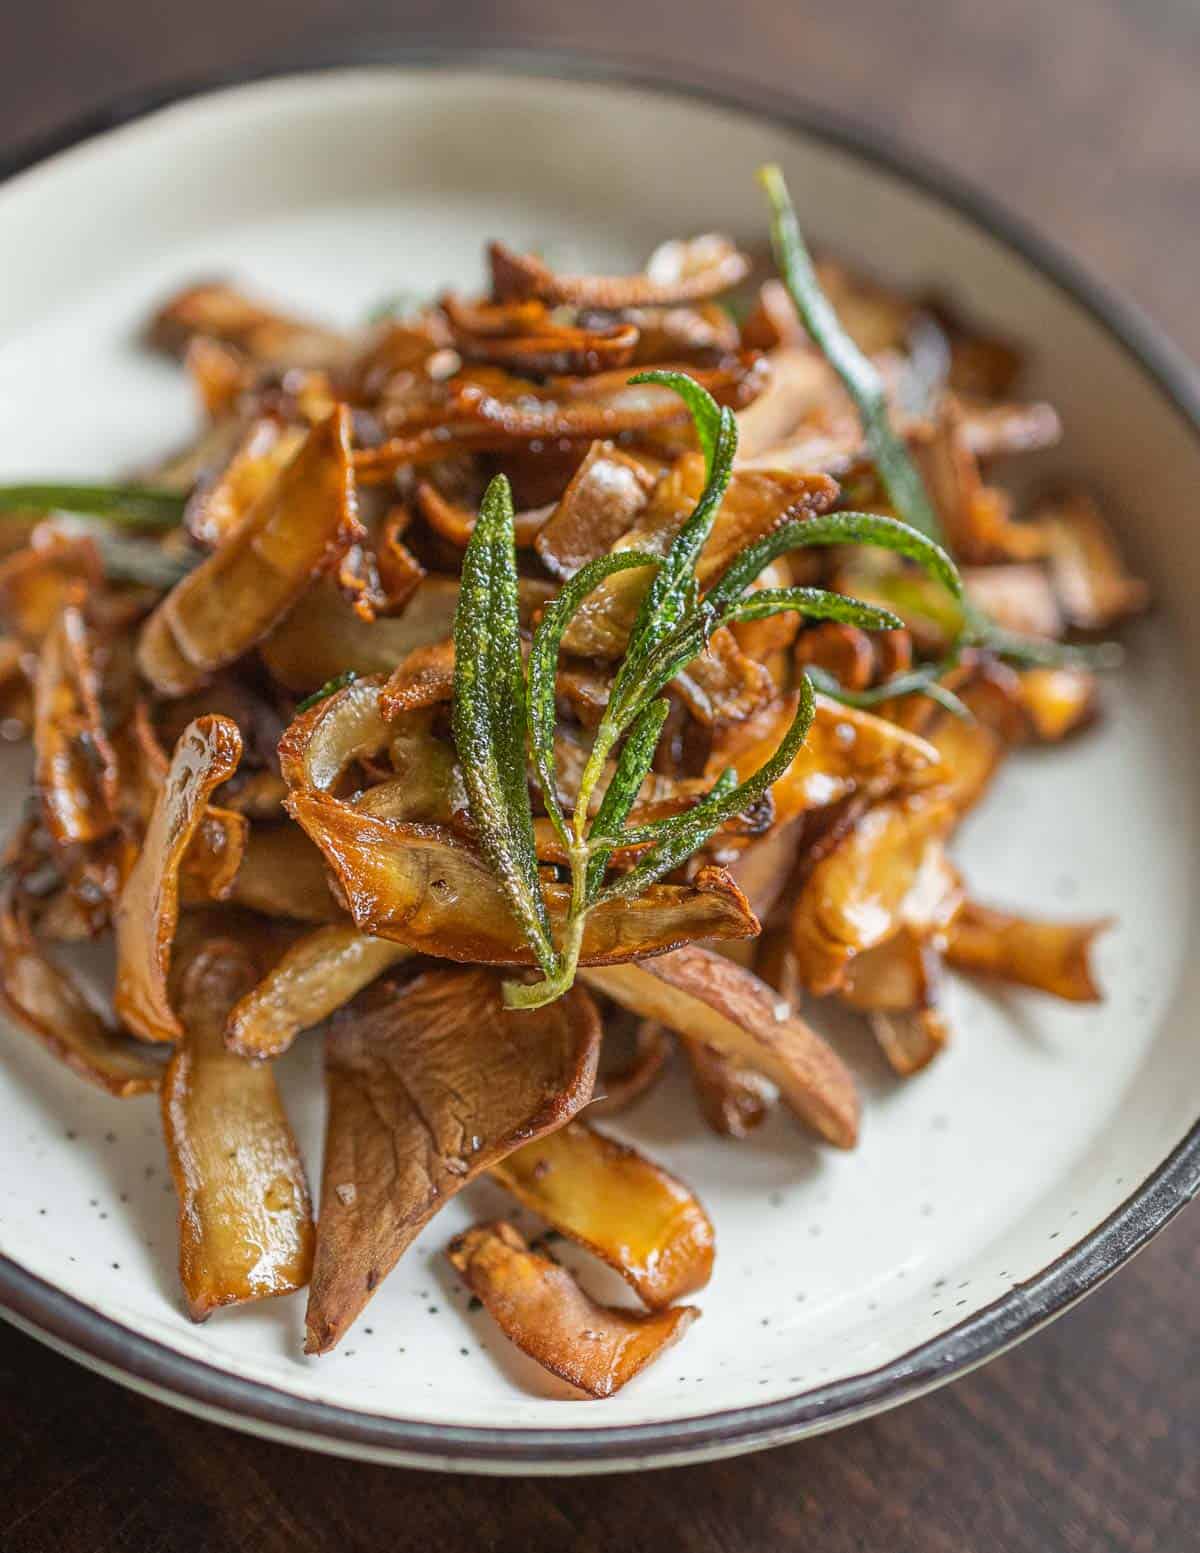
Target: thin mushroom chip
<point>705,996</point>
<point>312,979</point>
<point>689,271</point>
<point>43,999</point>
<point>75,764</point>
<point>604,497</point>
<point>421,886</point>
<point>245,1219</point>
<point>298,527</point>
<point>538,1306</point>
<point>206,754</point>
<point>856,897</point>
<point>620,1205</point>
<point>430,1083</point>
<point>1052,957</point>
<point>733,1098</point>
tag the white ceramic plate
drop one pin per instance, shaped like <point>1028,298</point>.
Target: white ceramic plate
<point>988,1193</point>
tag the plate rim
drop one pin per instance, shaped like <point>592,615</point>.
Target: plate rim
<point>127,1355</point>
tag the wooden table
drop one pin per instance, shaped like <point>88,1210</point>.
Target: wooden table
<point>1081,114</point>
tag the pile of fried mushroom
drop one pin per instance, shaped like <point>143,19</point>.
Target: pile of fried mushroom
<point>240,695</point>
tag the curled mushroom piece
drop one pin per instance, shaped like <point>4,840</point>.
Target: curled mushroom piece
<point>216,508</point>
<point>206,754</point>
<point>604,497</point>
<point>734,1099</point>
<point>620,1205</point>
<point>43,999</point>
<point>419,885</point>
<point>896,985</point>
<point>1086,569</point>
<point>221,312</point>
<point>245,1219</point>
<point>430,1083</point>
<point>705,996</point>
<point>1059,701</point>
<point>312,979</point>
<point>299,526</point>
<point>527,337</point>
<point>1052,957</point>
<point>75,764</point>
<point>538,1306</point>
<point>36,583</point>
<point>886,866</point>
<point>687,271</point>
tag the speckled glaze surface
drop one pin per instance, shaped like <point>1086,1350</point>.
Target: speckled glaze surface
<point>988,1192</point>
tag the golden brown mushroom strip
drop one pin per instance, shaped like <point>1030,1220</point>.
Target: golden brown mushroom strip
<point>424,677</point>
<point>976,518</point>
<point>604,497</point>
<point>420,885</point>
<point>548,347</point>
<point>220,374</point>
<point>856,897</point>
<point>430,1083</point>
<point>896,985</point>
<point>847,751</point>
<point>542,1310</point>
<point>323,637</point>
<point>297,529</point>
<point>281,874</point>
<point>313,978</point>
<point>75,765</point>
<point>1086,568</point>
<point>37,581</point>
<point>733,1098</point>
<point>205,755</point>
<point>1052,957</point>
<point>1059,701</point>
<point>683,271</point>
<point>707,997</point>
<point>245,1218</point>
<point>41,997</point>
<point>724,684</point>
<point>221,312</point>
<point>620,1205</point>
<point>489,412</point>
<point>456,523</point>
<point>215,510</point>
<point>320,744</point>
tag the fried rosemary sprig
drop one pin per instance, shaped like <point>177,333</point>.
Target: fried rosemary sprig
<point>499,702</point>
<point>899,475</point>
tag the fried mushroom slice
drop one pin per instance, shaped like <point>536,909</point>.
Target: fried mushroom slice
<point>1052,957</point>
<point>205,755</point>
<point>621,1206</point>
<point>42,998</point>
<point>1086,569</point>
<point>604,497</point>
<point>323,636</point>
<point>705,996</point>
<point>245,1217</point>
<point>312,979</point>
<point>298,528</point>
<point>1059,701</point>
<point>75,766</point>
<point>858,895</point>
<point>540,1308</point>
<point>422,886</point>
<point>733,1098</point>
<point>430,1083</point>
<point>633,1073</point>
<point>690,270</point>
<point>221,312</point>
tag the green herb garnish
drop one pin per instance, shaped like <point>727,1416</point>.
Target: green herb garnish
<point>499,703</point>
<point>900,477</point>
<point>329,688</point>
<point>139,506</point>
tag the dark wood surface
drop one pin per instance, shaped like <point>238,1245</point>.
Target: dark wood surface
<point>1082,115</point>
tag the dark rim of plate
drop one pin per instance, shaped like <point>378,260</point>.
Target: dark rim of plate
<point>128,1356</point>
